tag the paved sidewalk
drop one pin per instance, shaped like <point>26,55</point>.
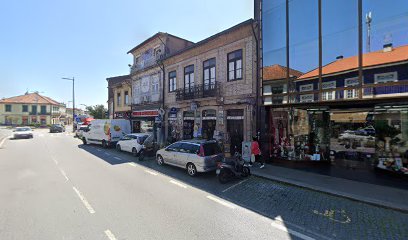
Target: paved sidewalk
<point>369,193</point>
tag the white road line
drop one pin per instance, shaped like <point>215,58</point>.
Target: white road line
<point>132,164</point>
<point>64,174</point>
<point>235,185</point>
<point>2,141</point>
<point>84,201</point>
<point>222,202</point>
<point>117,158</point>
<point>110,235</point>
<point>99,150</point>
<point>281,227</point>
<point>178,184</point>
<point>55,160</point>
<point>151,172</point>
<point>107,154</point>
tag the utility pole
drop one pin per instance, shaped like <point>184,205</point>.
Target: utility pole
<point>73,100</point>
<point>369,19</point>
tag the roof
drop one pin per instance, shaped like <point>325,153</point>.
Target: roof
<point>30,98</point>
<point>202,42</point>
<point>398,54</point>
<point>153,37</point>
<point>276,71</point>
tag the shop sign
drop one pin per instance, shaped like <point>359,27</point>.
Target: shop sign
<point>173,116</point>
<point>235,117</point>
<point>158,119</point>
<point>145,113</point>
<point>386,77</point>
<point>307,98</point>
<point>209,114</point>
<point>306,87</point>
<point>188,115</point>
<point>348,82</point>
<point>327,85</point>
<point>221,117</point>
<point>194,106</point>
<point>173,110</point>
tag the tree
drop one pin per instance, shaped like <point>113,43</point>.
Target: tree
<point>97,111</point>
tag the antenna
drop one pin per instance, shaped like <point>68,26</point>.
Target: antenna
<point>369,19</point>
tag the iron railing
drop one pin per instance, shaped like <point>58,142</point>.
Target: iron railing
<point>198,91</point>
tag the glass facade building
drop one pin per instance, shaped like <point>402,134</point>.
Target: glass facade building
<point>335,84</point>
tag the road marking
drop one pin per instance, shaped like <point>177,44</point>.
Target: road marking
<point>281,227</point>
<point>99,150</point>
<point>117,158</point>
<point>222,202</point>
<point>151,172</point>
<point>55,160</point>
<point>110,235</point>
<point>64,174</point>
<point>41,135</point>
<point>235,185</point>
<point>132,164</point>
<point>84,201</point>
<point>2,141</point>
<point>178,184</point>
<point>107,154</point>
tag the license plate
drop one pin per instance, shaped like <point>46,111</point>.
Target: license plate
<point>217,171</point>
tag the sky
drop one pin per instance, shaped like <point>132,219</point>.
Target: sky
<point>43,41</point>
<point>339,29</point>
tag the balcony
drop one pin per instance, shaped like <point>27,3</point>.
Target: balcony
<point>198,91</point>
<point>142,65</point>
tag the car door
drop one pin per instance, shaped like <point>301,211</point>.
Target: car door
<point>182,157</point>
<point>124,143</point>
<point>170,153</point>
<point>133,143</point>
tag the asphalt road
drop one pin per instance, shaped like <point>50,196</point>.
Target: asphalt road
<point>53,187</point>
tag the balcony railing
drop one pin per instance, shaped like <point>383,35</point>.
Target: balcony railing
<point>142,65</point>
<point>198,91</point>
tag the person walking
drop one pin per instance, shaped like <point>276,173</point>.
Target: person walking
<point>257,152</point>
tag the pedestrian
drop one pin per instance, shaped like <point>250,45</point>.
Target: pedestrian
<point>257,152</point>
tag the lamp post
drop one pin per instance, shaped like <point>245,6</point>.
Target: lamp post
<point>73,100</point>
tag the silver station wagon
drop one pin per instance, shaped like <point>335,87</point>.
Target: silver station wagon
<point>193,155</point>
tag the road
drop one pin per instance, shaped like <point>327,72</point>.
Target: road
<point>53,187</point>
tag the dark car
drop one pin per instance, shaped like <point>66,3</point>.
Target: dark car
<point>57,128</point>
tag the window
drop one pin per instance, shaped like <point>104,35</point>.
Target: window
<point>25,108</point>
<point>235,65</point>
<point>190,148</point>
<point>189,78</point>
<point>157,52</point>
<point>155,84</point>
<point>43,109</point>
<point>119,100</point>
<point>172,81</point>
<point>209,74</point>
<point>330,95</point>
<point>8,108</point>
<point>351,93</point>
<point>34,109</point>
<point>126,98</point>
<point>175,147</point>
<point>211,149</point>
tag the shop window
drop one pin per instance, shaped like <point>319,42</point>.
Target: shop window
<point>8,108</point>
<point>235,65</point>
<point>172,81</point>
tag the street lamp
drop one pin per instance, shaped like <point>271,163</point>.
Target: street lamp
<point>73,100</point>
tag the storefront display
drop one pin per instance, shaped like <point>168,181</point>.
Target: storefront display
<point>209,123</point>
<point>188,124</point>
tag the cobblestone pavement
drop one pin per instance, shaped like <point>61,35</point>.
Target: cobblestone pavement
<point>327,215</point>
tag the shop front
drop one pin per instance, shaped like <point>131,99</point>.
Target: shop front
<point>235,129</point>
<point>173,129</point>
<point>209,123</point>
<point>123,115</point>
<point>188,124</point>
<point>355,142</point>
<point>143,121</point>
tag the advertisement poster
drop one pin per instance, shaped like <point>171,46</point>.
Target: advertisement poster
<point>246,151</point>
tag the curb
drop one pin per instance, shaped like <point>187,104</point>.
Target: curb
<point>352,197</point>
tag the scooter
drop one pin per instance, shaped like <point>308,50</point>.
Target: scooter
<point>228,170</point>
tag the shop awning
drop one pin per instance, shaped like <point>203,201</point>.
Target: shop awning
<point>349,117</point>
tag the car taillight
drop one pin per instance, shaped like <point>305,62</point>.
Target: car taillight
<point>201,152</point>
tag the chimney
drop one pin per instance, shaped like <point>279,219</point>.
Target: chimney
<point>339,57</point>
<point>387,47</point>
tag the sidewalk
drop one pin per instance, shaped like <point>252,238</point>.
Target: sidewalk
<point>383,196</point>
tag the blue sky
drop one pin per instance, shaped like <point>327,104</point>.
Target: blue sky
<point>43,41</point>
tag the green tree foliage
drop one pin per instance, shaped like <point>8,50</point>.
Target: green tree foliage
<point>97,111</point>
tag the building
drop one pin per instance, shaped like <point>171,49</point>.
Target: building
<point>78,112</point>
<point>210,89</point>
<point>30,109</point>
<point>147,81</point>
<point>348,112</point>
<point>120,97</point>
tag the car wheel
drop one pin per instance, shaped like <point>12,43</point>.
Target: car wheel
<point>104,145</point>
<point>191,169</point>
<point>245,172</point>
<point>134,152</point>
<point>84,141</point>
<point>118,148</point>
<point>160,160</point>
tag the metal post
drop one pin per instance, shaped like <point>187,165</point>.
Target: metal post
<point>73,103</point>
<point>360,48</point>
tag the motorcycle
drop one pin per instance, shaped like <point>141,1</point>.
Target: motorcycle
<point>228,170</point>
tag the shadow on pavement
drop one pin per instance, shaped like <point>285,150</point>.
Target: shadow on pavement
<point>314,214</point>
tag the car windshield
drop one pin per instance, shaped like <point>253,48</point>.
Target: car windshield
<point>211,149</point>
<point>22,129</point>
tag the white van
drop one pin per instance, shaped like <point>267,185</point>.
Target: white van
<point>106,132</point>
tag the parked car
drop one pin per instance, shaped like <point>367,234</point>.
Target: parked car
<point>23,132</point>
<point>192,155</point>
<point>79,132</point>
<point>106,132</point>
<point>134,143</point>
<point>57,128</point>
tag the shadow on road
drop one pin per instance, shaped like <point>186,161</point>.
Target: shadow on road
<point>316,215</point>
